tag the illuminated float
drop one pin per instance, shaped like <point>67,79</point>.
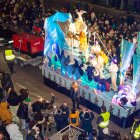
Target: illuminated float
<point>69,57</point>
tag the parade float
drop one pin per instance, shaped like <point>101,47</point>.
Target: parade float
<point>70,57</point>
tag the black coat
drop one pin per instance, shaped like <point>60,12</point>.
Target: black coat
<point>13,99</point>
<point>86,123</point>
<point>22,112</point>
<point>6,82</point>
<point>74,95</point>
<point>59,121</point>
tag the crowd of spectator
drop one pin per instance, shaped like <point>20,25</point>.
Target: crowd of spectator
<point>20,117</point>
<point>133,5</point>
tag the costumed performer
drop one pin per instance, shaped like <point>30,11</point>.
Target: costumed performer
<point>113,69</point>
<point>83,42</point>
<point>79,23</point>
<point>124,97</point>
<point>95,48</point>
<point>75,95</point>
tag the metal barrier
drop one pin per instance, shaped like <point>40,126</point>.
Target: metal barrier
<point>70,131</point>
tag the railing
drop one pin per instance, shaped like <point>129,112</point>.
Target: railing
<point>71,132</point>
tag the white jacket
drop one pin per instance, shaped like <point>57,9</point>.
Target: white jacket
<point>14,132</point>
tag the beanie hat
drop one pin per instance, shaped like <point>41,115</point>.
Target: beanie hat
<point>28,100</point>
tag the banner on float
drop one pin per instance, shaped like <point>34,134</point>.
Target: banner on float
<point>136,72</point>
<point>138,47</point>
<point>127,51</point>
<point>53,32</point>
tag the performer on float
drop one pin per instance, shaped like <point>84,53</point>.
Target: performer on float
<point>124,97</point>
<point>83,42</point>
<point>79,23</point>
<point>95,48</point>
<point>113,69</point>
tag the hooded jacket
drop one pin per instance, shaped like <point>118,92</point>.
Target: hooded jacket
<point>5,114</point>
<point>86,121</point>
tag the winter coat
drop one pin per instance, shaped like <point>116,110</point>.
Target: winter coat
<point>22,111</point>
<point>65,115</point>
<point>13,99</point>
<point>74,95</point>
<point>86,122</point>
<point>59,121</point>
<point>14,132</point>
<point>6,81</point>
<point>36,106</point>
<point>5,114</point>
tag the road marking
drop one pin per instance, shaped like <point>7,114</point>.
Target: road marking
<point>21,86</point>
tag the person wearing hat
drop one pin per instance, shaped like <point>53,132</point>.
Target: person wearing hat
<point>113,69</point>
<point>86,118</point>
<point>22,112</point>
<point>9,57</point>
<point>103,121</point>
<point>135,130</point>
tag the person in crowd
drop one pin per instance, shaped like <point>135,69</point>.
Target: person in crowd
<point>59,119</point>
<point>24,93</point>
<point>5,114</point>
<point>22,113</point>
<point>33,131</point>
<point>74,118</point>
<point>86,118</point>
<point>103,121</point>
<point>3,132</point>
<point>2,136</point>
<point>75,95</point>
<point>43,104</point>
<point>40,120</point>
<point>13,101</point>
<point>93,135</point>
<point>13,131</point>
<point>135,130</point>
<point>9,57</point>
<point>6,82</point>
<point>65,112</point>
<point>83,136</point>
